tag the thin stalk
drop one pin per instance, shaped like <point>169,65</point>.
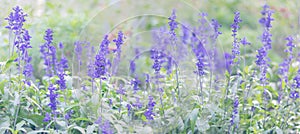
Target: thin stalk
<point>101,95</point>
<point>265,103</point>
<point>162,105</point>
<point>92,85</point>
<point>20,86</point>
<point>201,89</point>
<point>212,68</point>
<point>120,105</point>
<point>283,123</point>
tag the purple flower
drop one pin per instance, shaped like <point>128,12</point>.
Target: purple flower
<point>235,26</point>
<point>119,41</point>
<point>16,20</point>
<point>21,42</point>
<point>90,64</point>
<point>149,112</point>
<point>236,47</point>
<point>48,53</point>
<point>157,56</point>
<point>61,82</point>
<point>138,104</point>
<point>53,98</point>
<point>98,121</point>
<point>101,62</point>
<point>235,111</point>
<point>285,65</point>
<point>48,37</point>
<point>106,129</point>
<point>266,41</point>
<point>78,52</point>
<point>244,41</point>
<point>173,24</point>
<point>169,65</point>
<point>199,52</point>
<point>47,117</point>
<point>132,66</point>
<point>265,21</point>
<point>121,90</point>
<point>261,57</point>
<point>69,114</point>
<point>52,53</point>
<point>294,95</point>
<point>185,35</point>
<point>129,109</point>
<point>228,59</point>
<point>63,64</point>
<point>297,80</point>
<point>28,69</point>
<point>147,80</point>
<point>267,17</point>
<point>135,83</point>
<point>216,27</point>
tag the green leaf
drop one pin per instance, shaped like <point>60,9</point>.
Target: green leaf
<point>80,129</point>
<point>20,125</point>
<point>82,119</point>
<point>9,62</point>
<point>39,132</point>
<point>144,118</point>
<point>30,122</point>
<point>34,102</point>
<point>2,84</point>
<point>180,124</point>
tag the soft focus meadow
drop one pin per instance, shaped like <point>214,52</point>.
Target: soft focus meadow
<point>147,67</point>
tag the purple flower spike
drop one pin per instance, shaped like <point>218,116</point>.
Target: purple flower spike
<point>235,112</point>
<point>149,112</point>
<point>173,24</point>
<point>47,117</point>
<point>53,98</point>
<point>16,20</point>
<point>236,46</point>
<point>101,62</point>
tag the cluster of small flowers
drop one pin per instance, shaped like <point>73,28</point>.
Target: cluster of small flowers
<point>173,25</point>
<point>266,40</point>
<point>104,126</point>
<point>235,112</point>
<point>236,46</point>
<point>62,65</point>
<point>135,83</point>
<point>53,67</point>
<point>22,40</point>
<point>149,113</point>
<point>285,65</point>
<point>101,61</point>
<point>119,41</point>
<point>48,53</point>
<point>200,52</point>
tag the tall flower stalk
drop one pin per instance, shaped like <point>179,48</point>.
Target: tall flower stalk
<point>199,52</point>
<point>21,40</point>
<point>119,42</point>
<point>157,56</point>
<point>101,63</point>
<point>262,59</point>
<point>216,26</point>
<point>48,52</point>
